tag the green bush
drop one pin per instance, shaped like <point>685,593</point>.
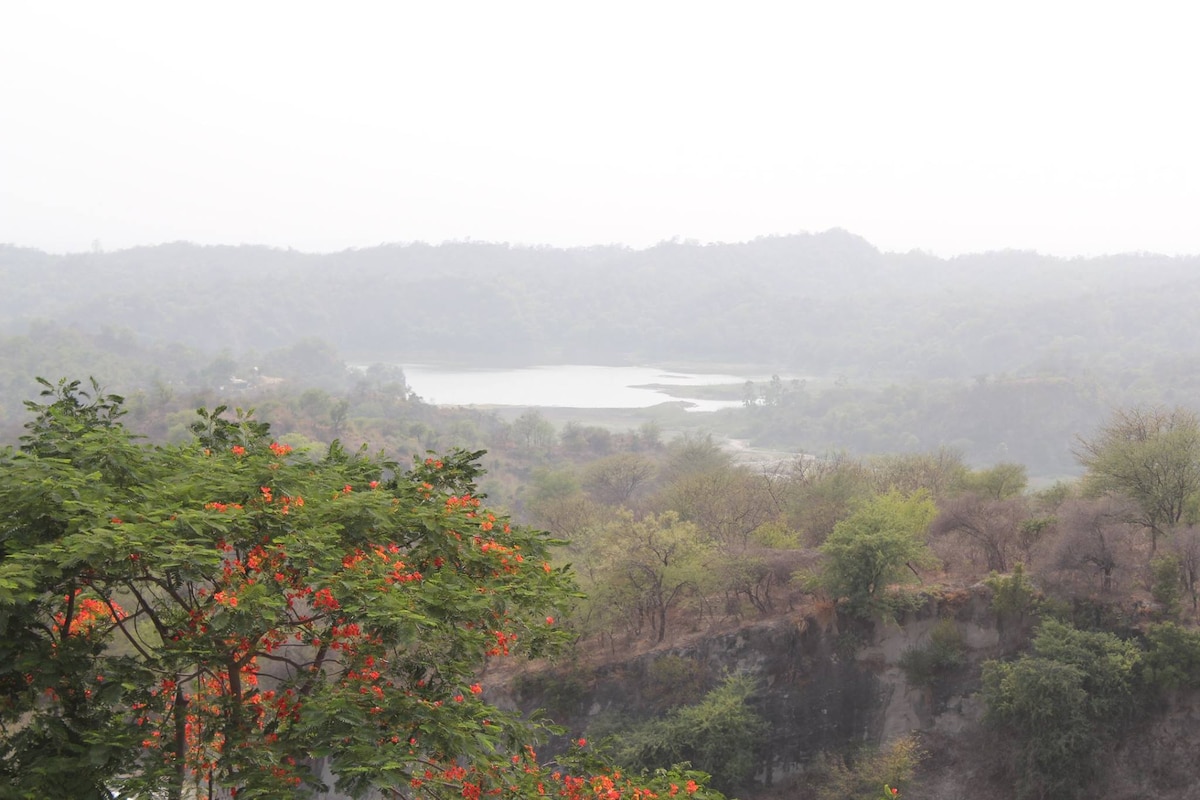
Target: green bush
<point>1012,595</point>
<point>863,775</point>
<point>1045,704</point>
<point>1172,659</point>
<point>776,535</point>
<point>720,735</point>
<point>944,652</point>
<point>1165,584</point>
<point>874,547</point>
<point>1060,702</point>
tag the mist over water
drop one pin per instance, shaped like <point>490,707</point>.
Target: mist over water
<point>567,386</point>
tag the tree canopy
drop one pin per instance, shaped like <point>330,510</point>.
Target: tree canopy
<point>1060,702</point>
<point>222,612</point>
<point>872,548</point>
<point>1152,457</point>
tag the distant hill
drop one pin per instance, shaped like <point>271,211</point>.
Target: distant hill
<point>813,304</point>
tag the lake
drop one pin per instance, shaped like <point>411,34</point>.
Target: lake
<point>566,386</point>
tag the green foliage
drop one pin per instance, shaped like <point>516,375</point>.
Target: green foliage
<point>533,433</point>
<point>727,503</point>
<point>869,774</point>
<point>944,652</point>
<point>719,735</point>
<point>550,486</point>
<point>694,453</point>
<point>1044,703</point>
<point>1012,595</point>
<point>1109,665</point>
<point>220,611</point>
<point>1033,529</point>
<point>1055,495</point>
<point>1060,702</point>
<point>1166,586</point>
<point>1150,456</point>
<point>826,491</point>
<point>776,535</point>
<point>996,483</point>
<point>672,680</point>
<point>643,569</point>
<point>939,473</point>
<point>214,430</point>
<point>1172,659</point>
<point>616,479</point>
<point>874,547</point>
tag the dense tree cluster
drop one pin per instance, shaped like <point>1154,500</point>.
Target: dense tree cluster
<point>217,614</point>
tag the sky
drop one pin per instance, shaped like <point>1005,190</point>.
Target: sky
<point>950,127</point>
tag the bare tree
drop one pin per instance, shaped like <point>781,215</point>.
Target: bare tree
<point>991,527</point>
<point>940,472</point>
<point>1185,545</point>
<point>824,491</point>
<point>727,503</point>
<point>1095,539</point>
<point>615,479</point>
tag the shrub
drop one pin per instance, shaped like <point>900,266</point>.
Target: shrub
<point>1172,658</point>
<point>1012,594</point>
<point>1060,702</point>
<point>944,652</point>
<point>862,775</point>
<point>720,735</point>
<point>1165,584</point>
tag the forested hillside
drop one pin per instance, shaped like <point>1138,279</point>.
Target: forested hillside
<point>1001,356</point>
<point>812,304</point>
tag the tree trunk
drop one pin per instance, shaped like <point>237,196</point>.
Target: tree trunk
<point>181,704</point>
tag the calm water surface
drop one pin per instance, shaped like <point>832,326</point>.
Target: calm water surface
<point>566,386</point>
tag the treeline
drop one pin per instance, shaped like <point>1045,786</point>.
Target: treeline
<point>1030,420</point>
<point>681,525</point>
<point>811,304</point>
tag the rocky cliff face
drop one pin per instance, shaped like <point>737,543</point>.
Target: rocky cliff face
<point>825,685</point>
<point>831,684</point>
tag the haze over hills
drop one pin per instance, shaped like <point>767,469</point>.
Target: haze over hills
<point>810,304</point>
<point>1004,356</point>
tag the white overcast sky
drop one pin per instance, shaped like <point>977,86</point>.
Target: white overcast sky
<point>958,126</point>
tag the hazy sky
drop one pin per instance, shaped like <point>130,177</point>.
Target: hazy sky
<point>1070,128</point>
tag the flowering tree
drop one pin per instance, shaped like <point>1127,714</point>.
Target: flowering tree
<point>206,619</point>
